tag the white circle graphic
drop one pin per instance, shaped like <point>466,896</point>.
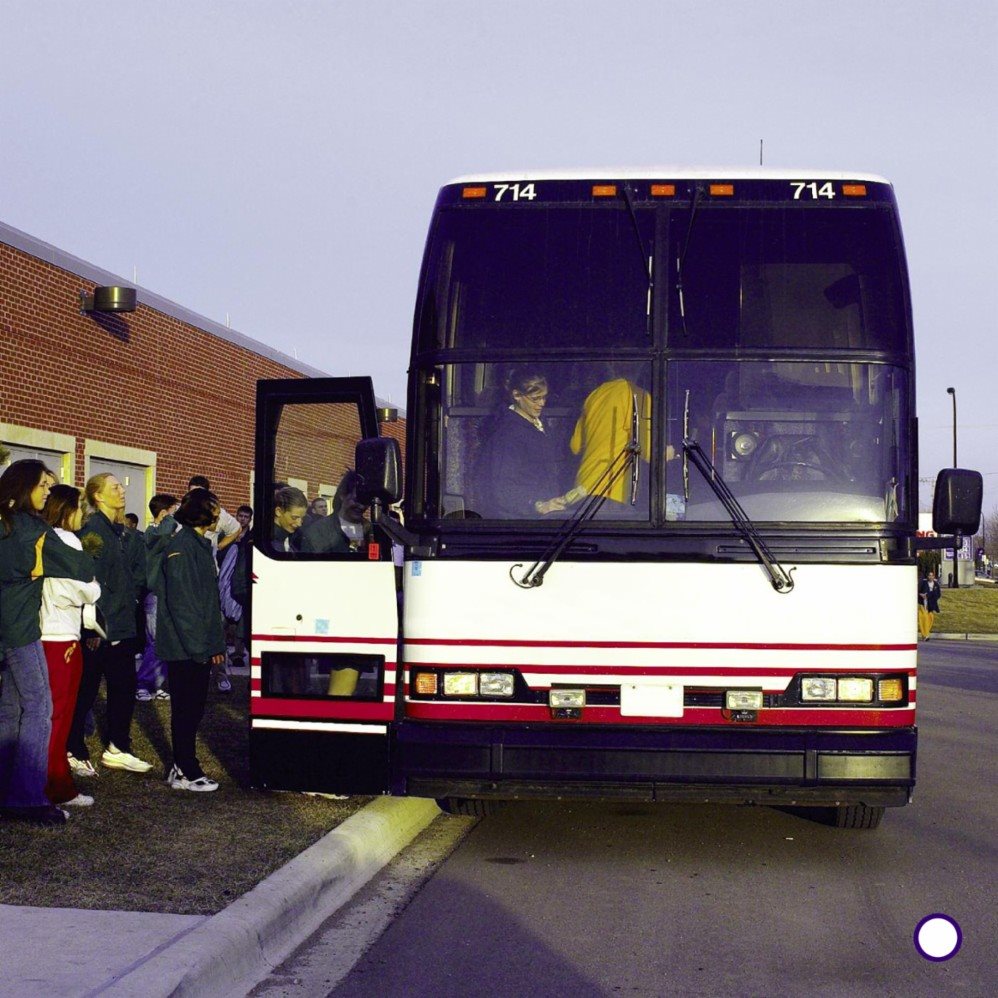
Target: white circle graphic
<point>938,937</point>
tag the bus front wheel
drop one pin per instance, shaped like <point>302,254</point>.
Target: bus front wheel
<point>858,816</point>
<point>474,807</point>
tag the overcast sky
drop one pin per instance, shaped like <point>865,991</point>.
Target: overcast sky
<point>277,162</point>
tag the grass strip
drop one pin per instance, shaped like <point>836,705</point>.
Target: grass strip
<point>146,847</point>
<point>973,610</point>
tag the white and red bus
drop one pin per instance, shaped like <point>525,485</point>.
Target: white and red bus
<point>660,505</point>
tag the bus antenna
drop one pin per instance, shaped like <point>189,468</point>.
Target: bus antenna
<point>760,152</point>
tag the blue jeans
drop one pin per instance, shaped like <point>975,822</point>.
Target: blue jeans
<point>25,727</point>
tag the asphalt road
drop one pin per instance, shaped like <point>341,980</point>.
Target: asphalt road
<point>622,899</point>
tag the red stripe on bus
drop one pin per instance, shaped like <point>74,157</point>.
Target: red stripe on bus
<point>709,645</point>
<point>322,710</point>
<point>617,671</point>
<point>775,717</point>
<point>326,639</point>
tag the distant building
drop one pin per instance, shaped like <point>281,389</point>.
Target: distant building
<point>153,395</point>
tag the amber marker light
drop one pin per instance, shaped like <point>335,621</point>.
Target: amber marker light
<point>425,683</point>
<point>663,190</point>
<point>604,190</point>
<point>854,190</point>
<point>890,690</point>
<point>468,193</point>
<point>722,190</point>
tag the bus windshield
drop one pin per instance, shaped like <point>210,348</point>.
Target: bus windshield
<point>789,276</point>
<point>552,276</point>
<point>795,441</point>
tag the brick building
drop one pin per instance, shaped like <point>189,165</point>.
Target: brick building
<point>153,395</point>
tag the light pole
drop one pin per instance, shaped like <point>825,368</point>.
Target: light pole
<point>952,391</point>
<point>954,581</point>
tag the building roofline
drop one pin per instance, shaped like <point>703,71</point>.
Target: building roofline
<point>48,253</point>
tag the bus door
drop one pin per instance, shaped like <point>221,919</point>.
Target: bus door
<point>323,606</point>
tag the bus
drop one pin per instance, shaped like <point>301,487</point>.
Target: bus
<point>654,537</point>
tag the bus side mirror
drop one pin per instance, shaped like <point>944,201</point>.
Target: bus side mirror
<point>378,461</point>
<point>956,505</point>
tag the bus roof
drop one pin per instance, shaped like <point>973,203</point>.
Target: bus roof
<point>670,172</point>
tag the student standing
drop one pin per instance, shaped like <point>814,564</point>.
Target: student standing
<point>29,551</point>
<point>189,635</point>
<point>61,617</point>
<point>112,657</point>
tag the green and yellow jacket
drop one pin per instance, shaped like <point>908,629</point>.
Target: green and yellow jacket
<point>29,553</point>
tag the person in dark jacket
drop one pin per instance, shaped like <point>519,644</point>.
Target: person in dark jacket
<point>189,633</point>
<point>290,506</point>
<point>518,466</point>
<point>112,656</point>
<point>29,552</point>
<point>344,531</point>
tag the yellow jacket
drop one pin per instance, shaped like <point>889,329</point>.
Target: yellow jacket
<point>604,430</point>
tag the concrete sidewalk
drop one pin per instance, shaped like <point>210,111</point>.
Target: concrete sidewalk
<point>68,952</point>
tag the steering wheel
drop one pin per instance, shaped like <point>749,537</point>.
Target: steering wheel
<point>766,474</point>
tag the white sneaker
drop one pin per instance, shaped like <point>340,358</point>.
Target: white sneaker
<point>114,759</point>
<point>203,784</point>
<point>80,800</point>
<point>141,694</point>
<point>81,767</point>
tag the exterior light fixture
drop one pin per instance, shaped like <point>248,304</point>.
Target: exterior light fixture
<point>113,299</point>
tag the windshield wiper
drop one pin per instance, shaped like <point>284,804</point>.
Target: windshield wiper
<point>778,575</point>
<point>534,576</point>
<point>629,200</point>
<point>698,193</point>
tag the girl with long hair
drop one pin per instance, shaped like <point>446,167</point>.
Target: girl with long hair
<point>29,552</point>
<point>62,603</point>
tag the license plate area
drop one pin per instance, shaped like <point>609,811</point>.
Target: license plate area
<point>651,700</point>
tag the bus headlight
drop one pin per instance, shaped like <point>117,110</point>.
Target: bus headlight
<point>743,699</point>
<point>495,684</point>
<point>567,699</point>
<point>460,684</point>
<point>856,690</point>
<point>817,688</point>
<point>425,683</point>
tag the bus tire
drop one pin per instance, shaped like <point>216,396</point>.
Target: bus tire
<point>474,807</point>
<point>858,816</point>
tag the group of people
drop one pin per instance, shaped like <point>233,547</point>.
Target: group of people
<point>75,595</point>
<point>517,467</point>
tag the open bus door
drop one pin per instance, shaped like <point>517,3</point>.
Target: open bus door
<point>324,624</point>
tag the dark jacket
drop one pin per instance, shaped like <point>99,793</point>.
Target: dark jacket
<point>928,595</point>
<point>114,573</point>
<point>325,536</point>
<point>135,557</point>
<point>188,614</point>
<point>157,539</point>
<point>518,467</point>
<point>31,551</point>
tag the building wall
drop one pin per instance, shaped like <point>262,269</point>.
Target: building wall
<point>160,388</point>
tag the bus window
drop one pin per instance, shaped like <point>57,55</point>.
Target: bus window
<point>552,276</point>
<point>313,459</point>
<point>514,437</point>
<point>790,276</point>
<point>794,441</point>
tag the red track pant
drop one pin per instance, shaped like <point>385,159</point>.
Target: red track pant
<point>65,662</point>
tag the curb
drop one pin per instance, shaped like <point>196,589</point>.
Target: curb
<point>963,637</point>
<point>229,953</point>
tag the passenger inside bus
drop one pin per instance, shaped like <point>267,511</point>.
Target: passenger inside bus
<point>290,506</point>
<point>602,436</point>
<point>518,464</point>
<point>344,530</point>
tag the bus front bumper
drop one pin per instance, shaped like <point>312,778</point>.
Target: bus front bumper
<point>784,767</point>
